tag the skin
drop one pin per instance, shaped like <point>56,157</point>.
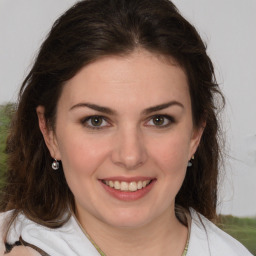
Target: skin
<point>129,144</point>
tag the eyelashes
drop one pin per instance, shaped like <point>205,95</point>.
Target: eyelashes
<point>101,122</point>
<point>95,122</point>
<point>160,121</point>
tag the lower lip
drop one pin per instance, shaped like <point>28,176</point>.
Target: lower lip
<point>128,195</point>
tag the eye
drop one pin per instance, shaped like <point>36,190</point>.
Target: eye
<point>95,122</point>
<point>160,121</point>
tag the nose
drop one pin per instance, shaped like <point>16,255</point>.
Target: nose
<point>129,149</point>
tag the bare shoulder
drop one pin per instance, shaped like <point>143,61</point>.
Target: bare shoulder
<point>22,251</point>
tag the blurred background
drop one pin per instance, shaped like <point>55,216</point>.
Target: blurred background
<point>228,29</point>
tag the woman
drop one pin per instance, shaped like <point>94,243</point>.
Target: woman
<point>114,147</point>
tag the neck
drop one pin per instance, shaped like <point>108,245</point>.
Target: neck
<point>164,235</point>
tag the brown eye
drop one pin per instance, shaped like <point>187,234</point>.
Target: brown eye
<point>158,120</point>
<point>96,121</point>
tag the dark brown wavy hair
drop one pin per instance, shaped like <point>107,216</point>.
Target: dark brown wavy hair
<point>88,31</point>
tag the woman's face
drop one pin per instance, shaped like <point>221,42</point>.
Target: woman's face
<point>124,134</point>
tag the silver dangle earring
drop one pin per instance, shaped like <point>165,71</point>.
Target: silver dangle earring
<point>189,162</point>
<point>55,165</point>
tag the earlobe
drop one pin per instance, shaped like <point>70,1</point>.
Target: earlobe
<point>47,133</point>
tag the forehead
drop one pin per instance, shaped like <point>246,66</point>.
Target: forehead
<point>138,77</point>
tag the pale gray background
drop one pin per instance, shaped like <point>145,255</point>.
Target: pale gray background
<point>228,28</point>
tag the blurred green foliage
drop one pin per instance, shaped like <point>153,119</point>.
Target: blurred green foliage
<point>6,112</point>
<point>243,229</point>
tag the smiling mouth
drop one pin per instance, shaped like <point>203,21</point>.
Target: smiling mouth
<point>127,186</point>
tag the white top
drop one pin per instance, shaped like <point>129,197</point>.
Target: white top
<point>69,240</point>
<point>207,239</point>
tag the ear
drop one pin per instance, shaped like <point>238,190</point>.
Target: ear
<point>48,134</point>
<point>196,138</point>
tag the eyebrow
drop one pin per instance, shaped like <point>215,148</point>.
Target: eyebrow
<point>161,107</point>
<point>110,111</point>
<point>102,109</point>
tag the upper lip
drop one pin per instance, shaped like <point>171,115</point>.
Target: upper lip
<point>128,179</point>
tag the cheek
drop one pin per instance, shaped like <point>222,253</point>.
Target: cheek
<point>173,150</point>
<point>171,157</point>
<point>81,156</point>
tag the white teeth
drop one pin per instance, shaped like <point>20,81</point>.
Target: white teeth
<point>111,183</point>
<point>139,185</point>
<point>124,186</point>
<point>127,186</point>
<point>117,185</point>
<point>133,186</point>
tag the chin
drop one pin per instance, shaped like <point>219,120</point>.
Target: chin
<point>127,218</point>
